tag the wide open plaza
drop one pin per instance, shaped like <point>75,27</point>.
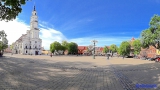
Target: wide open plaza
<point>42,72</point>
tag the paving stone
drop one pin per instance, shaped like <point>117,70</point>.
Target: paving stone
<point>35,74</point>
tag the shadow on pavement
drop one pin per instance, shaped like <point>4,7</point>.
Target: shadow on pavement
<point>31,74</point>
<point>142,73</point>
<point>27,74</point>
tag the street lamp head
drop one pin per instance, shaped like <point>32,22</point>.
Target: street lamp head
<point>94,41</point>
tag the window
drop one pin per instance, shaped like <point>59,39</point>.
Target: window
<point>26,47</point>
<point>35,41</point>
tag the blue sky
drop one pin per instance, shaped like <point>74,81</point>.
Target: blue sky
<point>80,21</point>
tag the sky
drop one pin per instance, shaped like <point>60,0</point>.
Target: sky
<point>81,21</point>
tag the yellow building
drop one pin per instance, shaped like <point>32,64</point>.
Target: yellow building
<point>157,52</point>
<point>46,52</point>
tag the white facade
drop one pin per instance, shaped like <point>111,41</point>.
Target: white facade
<point>29,43</point>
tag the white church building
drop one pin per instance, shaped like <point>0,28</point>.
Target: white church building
<point>29,43</point>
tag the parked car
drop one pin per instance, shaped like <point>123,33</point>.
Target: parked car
<point>136,57</point>
<point>128,56</point>
<point>158,59</point>
<point>152,59</point>
<point>144,58</point>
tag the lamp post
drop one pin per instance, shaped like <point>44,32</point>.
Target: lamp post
<point>94,42</point>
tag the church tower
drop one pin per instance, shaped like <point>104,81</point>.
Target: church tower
<point>34,24</point>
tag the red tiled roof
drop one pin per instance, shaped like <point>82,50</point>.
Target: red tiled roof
<point>132,38</point>
<point>82,47</point>
<point>101,49</point>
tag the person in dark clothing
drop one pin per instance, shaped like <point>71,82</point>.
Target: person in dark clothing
<point>107,56</point>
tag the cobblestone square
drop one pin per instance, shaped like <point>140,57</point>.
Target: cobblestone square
<point>24,72</point>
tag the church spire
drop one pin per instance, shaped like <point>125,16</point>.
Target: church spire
<point>34,8</point>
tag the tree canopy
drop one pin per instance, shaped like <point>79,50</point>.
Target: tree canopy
<point>72,47</point>
<point>3,46</point>
<point>9,9</point>
<point>11,46</point>
<point>55,46</point>
<point>137,46</point>
<point>151,36</point>
<point>124,48</point>
<point>113,48</point>
<point>4,42</point>
<point>105,49</point>
<point>64,45</point>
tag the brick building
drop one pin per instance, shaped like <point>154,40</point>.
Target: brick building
<point>82,49</point>
<point>8,49</point>
<point>150,52</point>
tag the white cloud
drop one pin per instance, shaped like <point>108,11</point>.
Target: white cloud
<point>14,29</point>
<point>102,41</point>
<point>49,35</point>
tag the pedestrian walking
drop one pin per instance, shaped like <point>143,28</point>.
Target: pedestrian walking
<point>51,55</point>
<point>108,56</point>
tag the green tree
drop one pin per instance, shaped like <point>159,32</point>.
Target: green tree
<point>124,48</point>
<point>4,42</point>
<point>137,46</point>
<point>11,46</point>
<point>64,45</point>
<point>72,47</point>
<point>151,36</point>
<point>9,9</point>
<point>3,46</point>
<point>113,48</point>
<point>118,50</point>
<point>105,49</point>
<point>55,46</point>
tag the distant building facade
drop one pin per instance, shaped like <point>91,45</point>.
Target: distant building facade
<point>84,50</point>
<point>29,43</point>
<point>149,52</point>
<point>8,49</point>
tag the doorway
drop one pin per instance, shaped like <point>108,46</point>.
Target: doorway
<point>36,52</point>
